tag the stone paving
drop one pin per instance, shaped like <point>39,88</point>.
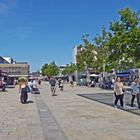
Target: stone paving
<point>65,117</point>
<point>108,99</point>
<point>84,119</point>
<point>51,129</point>
<point>18,121</point>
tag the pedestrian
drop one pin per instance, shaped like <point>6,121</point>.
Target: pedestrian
<point>61,86</point>
<point>135,86</point>
<point>59,82</point>
<point>30,85</point>
<point>118,92</point>
<point>23,90</point>
<point>71,83</point>
<point>14,82</point>
<point>39,82</point>
<point>92,83</point>
<point>81,82</point>
<point>52,83</point>
<point>34,86</point>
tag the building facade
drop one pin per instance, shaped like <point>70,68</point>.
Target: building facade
<point>76,50</point>
<point>16,69</point>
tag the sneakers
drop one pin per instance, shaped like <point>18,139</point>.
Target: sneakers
<point>115,106</point>
<point>54,94</point>
<point>121,107</point>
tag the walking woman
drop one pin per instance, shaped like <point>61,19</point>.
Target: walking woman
<point>23,90</point>
<point>118,91</point>
<point>135,92</point>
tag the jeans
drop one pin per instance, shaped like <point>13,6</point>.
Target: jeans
<point>119,97</point>
<point>138,100</point>
<point>23,95</point>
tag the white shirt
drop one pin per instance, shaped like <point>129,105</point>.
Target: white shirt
<point>135,88</point>
<point>118,88</point>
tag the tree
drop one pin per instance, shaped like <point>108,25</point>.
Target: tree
<point>80,59</point>
<point>134,47</point>
<point>102,48</point>
<point>125,40</point>
<point>86,56</point>
<point>50,69</point>
<point>70,69</point>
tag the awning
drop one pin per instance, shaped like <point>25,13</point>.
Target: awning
<point>122,75</point>
<point>94,75</point>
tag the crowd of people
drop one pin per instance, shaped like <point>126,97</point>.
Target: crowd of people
<point>30,86</point>
<point>119,90</point>
<point>27,86</point>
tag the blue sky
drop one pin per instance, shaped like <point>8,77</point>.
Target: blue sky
<point>41,31</point>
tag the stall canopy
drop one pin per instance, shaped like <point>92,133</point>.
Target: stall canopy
<point>93,75</point>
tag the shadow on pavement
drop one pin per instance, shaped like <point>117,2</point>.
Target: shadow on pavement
<point>3,91</point>
<point>108,99</point>
<point>28,102</point>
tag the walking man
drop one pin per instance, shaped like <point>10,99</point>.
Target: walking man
<point>53,86</point>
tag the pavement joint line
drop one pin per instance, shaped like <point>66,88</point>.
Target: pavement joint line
<point>51,129</point>
<point>43,110</point>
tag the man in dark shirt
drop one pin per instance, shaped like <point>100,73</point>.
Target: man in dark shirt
<point>53,86</point>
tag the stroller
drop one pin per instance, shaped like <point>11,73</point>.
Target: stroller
<point>35,90</point>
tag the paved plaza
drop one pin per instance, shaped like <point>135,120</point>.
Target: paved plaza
<point>108,99</point>
<point>67,116</point>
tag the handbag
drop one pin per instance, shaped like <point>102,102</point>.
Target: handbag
<point>28,89</point>
<point>123,90</point>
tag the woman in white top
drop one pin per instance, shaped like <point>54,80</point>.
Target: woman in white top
<point>135,92</point>
<point>23,90</point>
<point>118,91</point>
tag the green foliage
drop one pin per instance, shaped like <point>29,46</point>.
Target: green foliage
<point>125,39</point>
<point>102,48</point>
<point>118,48</point>
<point>50,69</point>
<point>138,64</point>
<point>86,55</point>
<point>70,69</point>
<point>80,58</point>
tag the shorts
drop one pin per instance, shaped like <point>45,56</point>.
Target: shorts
<point>53,88</point>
